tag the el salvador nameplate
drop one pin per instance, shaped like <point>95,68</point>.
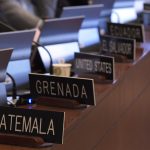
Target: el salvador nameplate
<point>121,48</point>
<point>48,125</point>
<point>69,88</point>
<point>94,64</point>
<point>132,31</point>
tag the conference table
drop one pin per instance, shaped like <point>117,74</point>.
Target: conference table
<point>120,119</point>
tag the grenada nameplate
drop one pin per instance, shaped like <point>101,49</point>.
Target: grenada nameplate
<point>69,88</point>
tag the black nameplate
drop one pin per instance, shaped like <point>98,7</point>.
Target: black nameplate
<point>28,122</point>
<point>120,48</point>
<point>126,31</point>
<point>95,64</point>
<point>146,6</point>
<point>81,90</point>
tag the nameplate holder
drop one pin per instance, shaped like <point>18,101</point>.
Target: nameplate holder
<point>122,49</point>
<point>131,31</point>
<point>30,127</point>
<point>62,91</point>
<point>99,66</point>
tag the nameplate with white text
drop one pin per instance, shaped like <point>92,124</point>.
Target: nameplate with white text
<point>121,48</point>
<point>68,88</point>
<point>146,7</point>
<point>131,31</point>
<point>94,64</point>
<point>48,125</point>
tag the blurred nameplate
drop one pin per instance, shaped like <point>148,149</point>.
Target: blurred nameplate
<point>146,7</point>
<point>48,125</point>
<point>146,19</point>
<point>68,88</point>
<point>95,64</point>
<point>131,31</point>
<point>123,49</point>
<point>146,15</point>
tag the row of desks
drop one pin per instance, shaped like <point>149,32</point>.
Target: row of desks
<point>120,118</point>
<point>95,127</point>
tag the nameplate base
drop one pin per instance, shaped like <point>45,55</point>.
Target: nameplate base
<point>19,140</point>
<point>56,102</point>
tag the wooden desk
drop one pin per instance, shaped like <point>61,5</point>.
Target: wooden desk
<point>119,119</point>
<point>98,123</point>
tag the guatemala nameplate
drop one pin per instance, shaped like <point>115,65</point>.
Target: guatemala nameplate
<point>94,64</point>
<point>68,88</point>
<point>131,31</point>
<point>48,125</point>
<point>122,49</point>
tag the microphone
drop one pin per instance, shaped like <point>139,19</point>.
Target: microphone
<point>14,88</point>
<point>13,101</point>
<point>51,61</point>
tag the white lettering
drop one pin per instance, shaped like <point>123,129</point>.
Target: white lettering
<point>26,127</point>
<point>45,87</point>
<point>52,88</point>
<point>40,129</point>
<point>104,45</point>
<point>11,120</point>
<point>38,87</point>
<point>60,89</point>
<point>68,91</point>
<point>75,90</point>
<point>35,126</point>
<point>125,31</point>
<point>83,92</point>
<point>3,122</point>
<point>51,128</point>
<point>17,123</point>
